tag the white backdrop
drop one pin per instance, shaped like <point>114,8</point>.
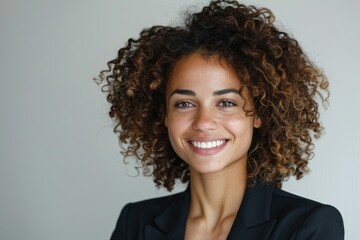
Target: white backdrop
<point>61,173</point>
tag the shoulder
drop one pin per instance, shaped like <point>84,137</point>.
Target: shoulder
<point>149,206</point>
<point>134,216</point>
<point>284,202</point>
<point>308,219</point>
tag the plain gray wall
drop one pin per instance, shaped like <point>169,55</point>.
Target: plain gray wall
<point>61,173</point>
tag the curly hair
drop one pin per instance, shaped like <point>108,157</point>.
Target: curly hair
<point>284,85</point>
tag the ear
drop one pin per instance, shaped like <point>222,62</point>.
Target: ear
<point>257,122</point>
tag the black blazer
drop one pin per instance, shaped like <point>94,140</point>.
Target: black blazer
<point>265,213</point>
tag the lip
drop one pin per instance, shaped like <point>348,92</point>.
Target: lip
<point>207,147</point>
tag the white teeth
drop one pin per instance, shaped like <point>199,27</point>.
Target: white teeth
<point>207,145</point>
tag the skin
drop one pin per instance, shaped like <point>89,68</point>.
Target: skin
<point>209,130</point>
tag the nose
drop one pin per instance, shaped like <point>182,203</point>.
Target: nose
<point>204,120</point>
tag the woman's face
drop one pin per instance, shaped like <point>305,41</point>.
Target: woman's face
<point>206,123</point>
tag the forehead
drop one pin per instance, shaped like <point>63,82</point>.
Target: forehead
<point>195,69</point>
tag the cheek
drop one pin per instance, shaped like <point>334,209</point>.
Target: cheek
<point>241,127</point>
<point>178,126</point>
<point>175,126</point>
<point>177,120</point>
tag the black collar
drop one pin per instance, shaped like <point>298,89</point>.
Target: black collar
<point>253,214</point>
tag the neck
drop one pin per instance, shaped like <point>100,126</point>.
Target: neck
<point>217,196</point>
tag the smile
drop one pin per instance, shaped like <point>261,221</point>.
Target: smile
<point>207,145</point>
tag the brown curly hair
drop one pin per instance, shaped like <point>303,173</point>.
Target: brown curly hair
<point>283,83</point>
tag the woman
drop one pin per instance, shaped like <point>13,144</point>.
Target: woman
<point>227,104</point>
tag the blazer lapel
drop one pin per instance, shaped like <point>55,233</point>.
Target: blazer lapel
<point>253,218</point>
<point>170,223</point>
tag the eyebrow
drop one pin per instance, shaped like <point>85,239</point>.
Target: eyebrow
<point>226,91</point>
<point>183,92</point>
<point>216,93</point>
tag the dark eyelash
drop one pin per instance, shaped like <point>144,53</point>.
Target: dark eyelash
<point>228,103</point>
<point>182,103</point>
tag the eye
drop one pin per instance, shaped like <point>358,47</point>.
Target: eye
<point>226,103</point>
<point>184,104</point>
